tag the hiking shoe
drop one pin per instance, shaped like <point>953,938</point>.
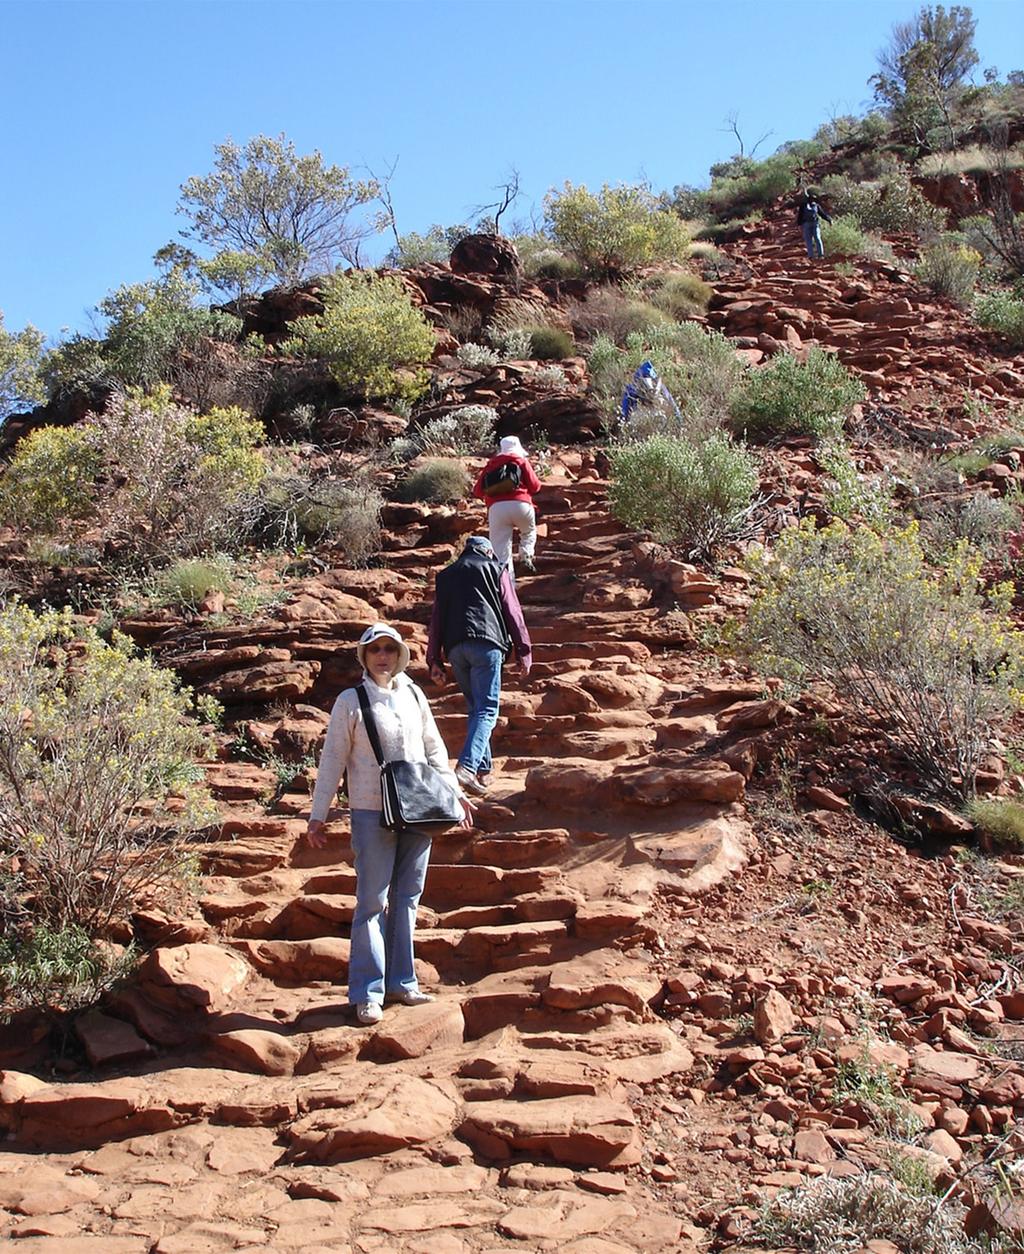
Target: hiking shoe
<point>409,997</point>
<point>368,1013</point>
<point>469,781</point>
<point>527,565</point>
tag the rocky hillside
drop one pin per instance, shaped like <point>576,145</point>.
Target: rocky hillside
<point>677,969</point>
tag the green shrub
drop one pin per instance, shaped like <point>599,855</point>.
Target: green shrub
<point>436,246</point>
<point>950,269</point>
<point>615,232</point>
<point>934,657</point>
<point>99,782</point>
<point>877,1089</point>
<point>851,495</point>
<point>1002,313</point>
<point>50,478</point>
<point>369,332</point>
<point>1001,821</point>
<point>437,481</point>
<point>150,325</point>
<point>477,356</point>
<point>843,237</point>
<point>699,367</point>
<point>681,295</point>
<point>551,264</point>
<point>549,343</point>
<point>188,582</point>
<point>891,203</point>
<point>789,397</point>
<point>745,184</point>
<point>696,494</point>
<point>62,969</point>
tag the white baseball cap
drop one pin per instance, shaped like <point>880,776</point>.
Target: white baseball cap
<point>374,633</point>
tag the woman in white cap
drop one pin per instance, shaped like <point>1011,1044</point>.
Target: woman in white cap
<point>391,866</point>
<point>508,484</point>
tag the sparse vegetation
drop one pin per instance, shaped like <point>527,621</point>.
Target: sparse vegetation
<point>840,1216</point>
<point>187,583</point>
<point>681,294</point>
<point>549,343</point>
<point>21,355</point>
<point>932,655</point>
<point>292,508</point>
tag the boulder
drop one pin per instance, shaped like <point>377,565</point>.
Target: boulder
<point>583,1132</point>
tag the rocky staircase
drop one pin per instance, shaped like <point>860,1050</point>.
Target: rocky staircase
<point>897,335</point>
<point>536,932</point>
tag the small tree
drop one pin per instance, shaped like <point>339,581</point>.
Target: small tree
<point>152,324</point>
<point>20,357</point>
<point>267,201</point>
<point>616,231</point>
<point>99,783</point>
<point>369,329</point>
<point>924,68</point>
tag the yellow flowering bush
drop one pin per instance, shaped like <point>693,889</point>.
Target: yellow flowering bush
<point>99,782</point>
<point>931,653</point>
<point>49,480</point>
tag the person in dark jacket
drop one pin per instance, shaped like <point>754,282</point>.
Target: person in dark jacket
<point>808,219</point>
<point>476,621</point>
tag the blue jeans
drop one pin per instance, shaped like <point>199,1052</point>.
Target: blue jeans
<point>812,238</point>
<point>477,668</point>
<point>390,870</point>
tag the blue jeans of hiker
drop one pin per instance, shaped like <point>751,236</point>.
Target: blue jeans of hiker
<point>390,870</point>
<point>812,238</point>
<point>477,668</point>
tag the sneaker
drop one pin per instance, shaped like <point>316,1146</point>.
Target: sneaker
<point>469,781</point>
<point>409,997</point>
<point>526,563</point>
<point>368,1013</point>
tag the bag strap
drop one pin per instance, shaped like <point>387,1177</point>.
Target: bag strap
<point>370,723</point>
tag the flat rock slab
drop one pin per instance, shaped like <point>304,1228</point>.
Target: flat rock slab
<point>582,1131</point>
<point>393,1112</point>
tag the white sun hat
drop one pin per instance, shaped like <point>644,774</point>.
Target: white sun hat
<point>510,446</point>
<point>374,633</point>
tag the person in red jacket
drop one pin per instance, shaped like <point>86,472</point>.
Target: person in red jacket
<point>507,484</point>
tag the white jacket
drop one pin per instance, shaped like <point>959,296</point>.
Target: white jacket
<point>407,733</point>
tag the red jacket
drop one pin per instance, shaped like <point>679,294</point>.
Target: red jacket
<point>528,481</point>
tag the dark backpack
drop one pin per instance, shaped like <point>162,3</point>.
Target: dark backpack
<point>503,480</point>
<point>811,212</point>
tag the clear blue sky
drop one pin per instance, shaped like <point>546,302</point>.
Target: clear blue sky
<point>109,106</point>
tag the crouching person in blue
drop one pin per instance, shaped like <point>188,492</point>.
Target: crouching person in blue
<point>391,866</point>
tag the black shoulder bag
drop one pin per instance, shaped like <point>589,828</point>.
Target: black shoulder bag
<point>413,794</point>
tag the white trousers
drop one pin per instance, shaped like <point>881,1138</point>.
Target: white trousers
<point>503,518</point>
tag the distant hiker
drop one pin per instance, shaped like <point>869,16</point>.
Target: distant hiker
<point>476,620</point>
<point>808,218</point>
<point>647,391</point>
<point>507,484</point>
<point>391,865</point>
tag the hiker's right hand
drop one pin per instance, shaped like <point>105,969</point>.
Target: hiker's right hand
<point>437,673</point>
<point>316,837</point>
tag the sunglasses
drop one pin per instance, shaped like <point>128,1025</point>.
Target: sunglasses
<point>382,646</point>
